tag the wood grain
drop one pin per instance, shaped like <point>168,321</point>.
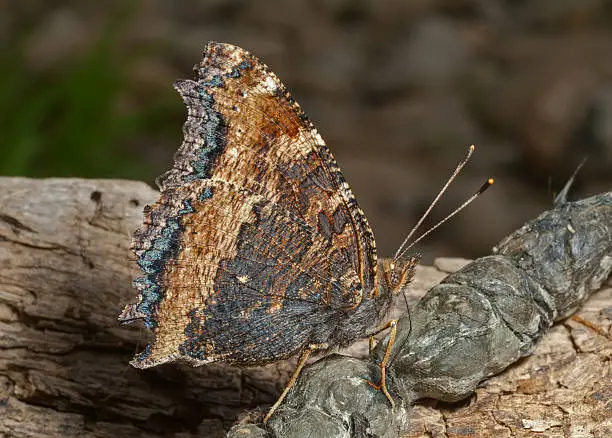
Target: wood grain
<point>65,274</point>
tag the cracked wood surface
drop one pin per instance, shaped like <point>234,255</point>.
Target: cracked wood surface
<point>65,273</point>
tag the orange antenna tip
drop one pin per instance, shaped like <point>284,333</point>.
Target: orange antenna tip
<point>479,192</point>
<point>488,183</point>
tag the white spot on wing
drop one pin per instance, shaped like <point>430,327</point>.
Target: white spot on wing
<point>317,137</point>
<point>270,84</point>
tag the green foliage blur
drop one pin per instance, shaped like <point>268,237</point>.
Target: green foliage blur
<point>68,122</point>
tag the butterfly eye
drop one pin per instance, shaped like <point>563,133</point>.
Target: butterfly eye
<point>393,276</point>
<point>398,277</point>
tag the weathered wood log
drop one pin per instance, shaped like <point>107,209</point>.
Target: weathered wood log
<point>66,271</point>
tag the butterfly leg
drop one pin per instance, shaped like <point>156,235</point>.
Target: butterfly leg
<point>382,386</point>
<point>296,373</point>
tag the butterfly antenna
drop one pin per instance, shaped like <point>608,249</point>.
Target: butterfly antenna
<point>479,192</point>
<point>484,187</point>
<point>462,163</point>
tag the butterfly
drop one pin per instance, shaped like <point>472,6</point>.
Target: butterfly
<point>257,249</point>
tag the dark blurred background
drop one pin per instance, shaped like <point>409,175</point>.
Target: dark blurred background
<point>398,89</point>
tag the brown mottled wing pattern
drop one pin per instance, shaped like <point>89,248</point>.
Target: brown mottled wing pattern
<point>257,239</point>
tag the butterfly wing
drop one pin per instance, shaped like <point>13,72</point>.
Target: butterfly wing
<point>256,238</point>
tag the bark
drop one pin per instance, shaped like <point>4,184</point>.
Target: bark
<point>65,274</point>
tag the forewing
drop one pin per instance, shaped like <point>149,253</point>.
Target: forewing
<point>244,127</point>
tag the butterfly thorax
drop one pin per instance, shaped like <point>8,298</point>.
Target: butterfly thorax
<point>363,320</point>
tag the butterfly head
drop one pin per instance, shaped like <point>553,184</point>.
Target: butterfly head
<point>398,273</point>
